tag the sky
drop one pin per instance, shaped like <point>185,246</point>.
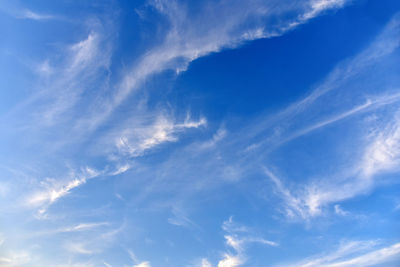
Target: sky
<point>223,133</point>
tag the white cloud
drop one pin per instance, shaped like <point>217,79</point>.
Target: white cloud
<point>340,211</point>
<point>217,137</point>
<point>383,154</point>
<point>132,256</point>
<point>83,62</point>
<point>44,68</point>
<point>329,121</point>
<point>379,154</point>
<point>293,206</point>
<point>143,264</point>
<point>372,258</point>
<point>281,135</point>
<point>15,258</point>
<point>230,261</point>
<point>57,189</point>
<point>137,140</point>
<point>91,243</point>
<point>5,260</point>
<point>354,253</point>
<point>235,243</point>
<point>238,238</point>
<point>84,52</point>
<point>288,124</point>
<point>81,67</point>
<point>29,14</point>
<point>179,218</point>
<point>53,194</point>
<point>200,263</point>
<point>136,261</point>
<point>240,235</point>
<point>307,200</point>
<point>181,44</point>
<point>121,169</point>
<point>230,226</point>
<point>223,25</point>
<point>238,244</point>
<point>302,118</point>
<point>205,263</point>
<point>82,227</point>
<point>78,248</point>
<point>318,6</point>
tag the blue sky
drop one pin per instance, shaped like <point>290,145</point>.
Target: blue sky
<point>200,133</point>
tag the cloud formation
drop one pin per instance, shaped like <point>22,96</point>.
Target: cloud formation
<point>237,238</point>
<point>28,14</point>
<point>135,141</point>
<point>56,189</point>
<point>228,25</point>
<point>376,152</point>
<point>354,253</point>
<point>95,105</point>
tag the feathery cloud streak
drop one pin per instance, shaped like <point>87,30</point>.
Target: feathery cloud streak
<point>355,253</point>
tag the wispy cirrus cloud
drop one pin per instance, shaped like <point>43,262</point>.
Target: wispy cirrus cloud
<point>81,227</point>
<point>293,206</point>
<point>28,14</point>
<point>339,211</point>
<point>376,152</point>
<point>136,261</point>
<point>238,237</point>
<point>179,218</point>
<point>288,123</point>
<point>318,6</point>
<point>65,81</point>
<point>78,248</point>
<point>93,244</point>
<point>134,141</point>
<point>381,155</point>
<point>183,42</point>
<point>87,59</point>
<point>143,264</point>
<point>230,261</point>
<point>56,189</point>
<point>371,104</point>
<point>326,106</point>
<point>15,258</point>
<point>354,253</point>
